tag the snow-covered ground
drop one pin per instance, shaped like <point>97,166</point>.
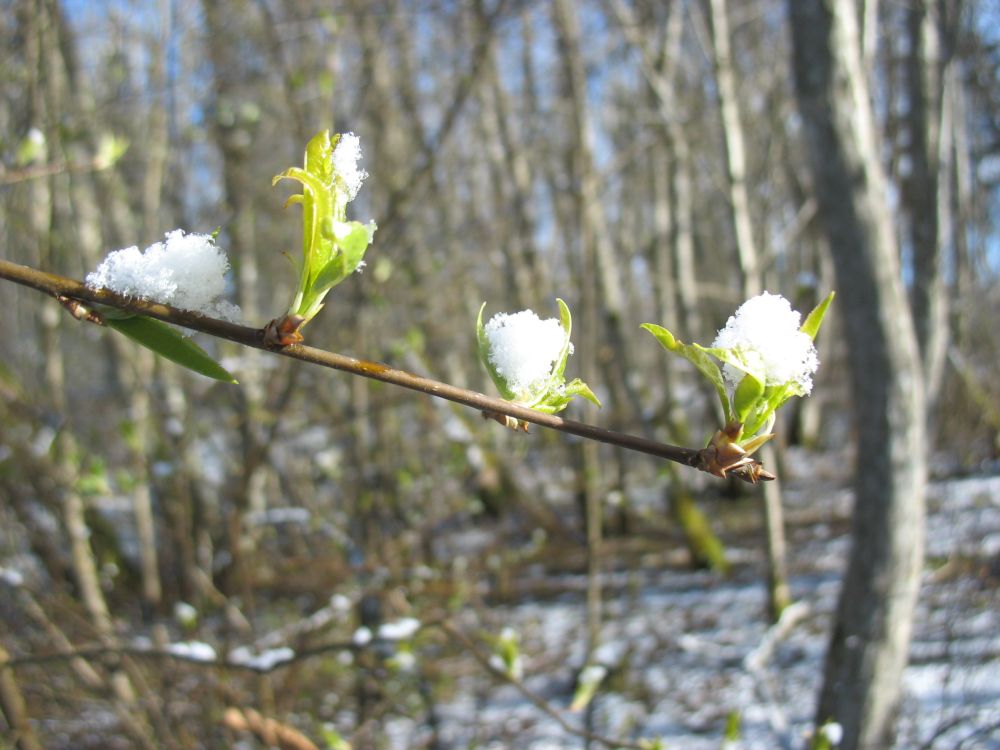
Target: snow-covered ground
<point>684,649</point>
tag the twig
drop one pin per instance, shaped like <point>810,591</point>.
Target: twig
<point>539,702</point>
<point>270,731</point>
<point>62,287</point>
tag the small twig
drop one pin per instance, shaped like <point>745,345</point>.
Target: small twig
<point>271,732</point>
<point>15,176</point>
<point>62,287</point>
<point>536,700</point>
<point>97,652</point>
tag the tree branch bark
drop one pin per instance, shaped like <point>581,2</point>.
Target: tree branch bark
<point>60,286</point>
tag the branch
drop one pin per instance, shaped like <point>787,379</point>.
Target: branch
<point>62,287</point>
<point>181,654</point>
<point>536,700</point>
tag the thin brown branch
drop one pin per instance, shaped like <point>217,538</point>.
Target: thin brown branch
<point>539,702</point>
<point>271,732</point>
<point>62,287</point>
<point>15,176</point>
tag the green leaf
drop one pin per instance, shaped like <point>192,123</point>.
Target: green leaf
<point>357,241</point>
<point>815,319</point>
<point>332,247</point>
<point>698,356</point>
<point>110,149</point>
<point>735,358</point>
<point>566,321</point>
<point>168,342</point>
<point>732,733</point>
<point>589,680</point>
<point>577,387</point>
<point>31,148</point>
<point>332,739</point>
<point>484,356</point>
<point>746,396</point>
<point>329,275</point>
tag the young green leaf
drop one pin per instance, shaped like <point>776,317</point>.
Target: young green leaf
<point>697,356</point>
<point>566,320</point>
<point>577,387</point>
<point>168,342</point>
<point>746,396</point>
<point>484,355</point>
<point>815,319</point>
<point>589,680</point>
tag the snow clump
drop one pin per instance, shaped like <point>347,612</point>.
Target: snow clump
<point>523,349</point>
<point>185,270</point>
<point>193,651</point>
<point>346,155</point>
<point>764,333</point>
<point>263,662</point>
<point>399,630</point>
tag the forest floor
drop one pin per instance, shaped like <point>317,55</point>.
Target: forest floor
<point>685,649</point>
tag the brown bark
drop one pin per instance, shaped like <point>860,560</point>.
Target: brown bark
<point>868,648</point>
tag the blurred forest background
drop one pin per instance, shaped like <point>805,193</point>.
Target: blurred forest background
<point>644,160</point>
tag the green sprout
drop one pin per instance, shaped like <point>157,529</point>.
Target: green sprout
<point>766,359</point>
<point>526,358</point>
<point>332,246</point>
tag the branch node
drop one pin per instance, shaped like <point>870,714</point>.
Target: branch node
<point>80,311</point>
<point>518,425</point>
<point>284,331</point>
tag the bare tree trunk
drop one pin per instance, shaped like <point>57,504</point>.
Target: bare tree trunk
<point>234,140</point>
<point>922,188</point>
<point>732,130</point>
<point>601,287</point>
<point>868,649</point>
<point>677,214</point>
<point>752,284</point>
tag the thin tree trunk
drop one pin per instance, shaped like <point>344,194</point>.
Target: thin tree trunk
<point>599,281</point>
<point>736,168</point>
<point>868,648</point>
<point>752,283</point>
<point>703,545</point>
<point>922,192</point>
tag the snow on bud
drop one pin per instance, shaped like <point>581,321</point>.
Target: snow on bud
<point>399,630</point>
<point>525,357</point>
<point>764,334</point>
<point>346,155</point>
<point>523,349</point>
<point>362,636</point>
<point>833,733</point>
<point>186,615</point>
<point>185,270</point>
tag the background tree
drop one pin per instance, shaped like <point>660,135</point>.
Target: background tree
<point>871,636</point>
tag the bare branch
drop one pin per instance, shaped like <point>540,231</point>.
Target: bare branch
<point>62,287</point>
<point>539,702</point>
